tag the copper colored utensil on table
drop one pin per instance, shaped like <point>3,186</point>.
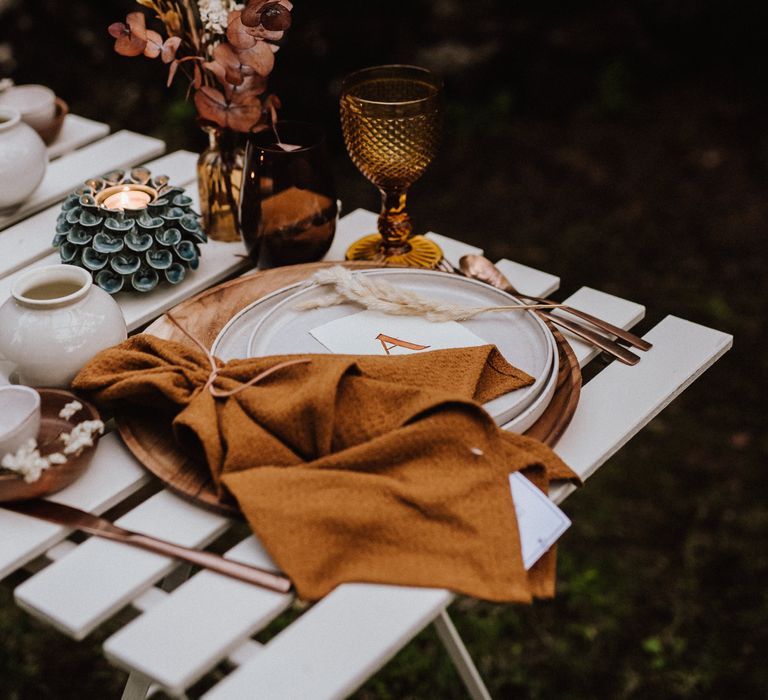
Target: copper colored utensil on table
<point>480,268</point>
<point>94,525</point>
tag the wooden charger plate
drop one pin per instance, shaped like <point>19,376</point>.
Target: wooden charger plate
<point>150,438</point>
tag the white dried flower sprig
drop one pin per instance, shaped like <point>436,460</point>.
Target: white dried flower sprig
<point>29,463</point>
<point>81,436</point>
<point>214,15</point>
<point>377,294</point>
<point>70,409</point>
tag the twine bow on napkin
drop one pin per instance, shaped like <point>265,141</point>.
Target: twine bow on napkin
<point>368,469</point>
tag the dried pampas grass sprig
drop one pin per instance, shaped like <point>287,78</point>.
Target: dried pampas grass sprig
<point>379,295</point>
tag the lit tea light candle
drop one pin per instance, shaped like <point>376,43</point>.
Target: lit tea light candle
<point>127,200</point>
<point>122,197</point>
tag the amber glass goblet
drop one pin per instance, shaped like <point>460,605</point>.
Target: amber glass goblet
<point>391,118</point>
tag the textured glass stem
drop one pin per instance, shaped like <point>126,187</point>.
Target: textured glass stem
<point>394,223</point>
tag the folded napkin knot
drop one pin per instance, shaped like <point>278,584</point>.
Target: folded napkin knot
<point>216,366</point>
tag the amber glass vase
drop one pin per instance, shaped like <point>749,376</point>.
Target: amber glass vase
<point>219,178</point>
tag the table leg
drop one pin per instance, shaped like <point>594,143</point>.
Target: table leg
<point>176,577</point>
<point>137,687</point>
<point>460,657</point>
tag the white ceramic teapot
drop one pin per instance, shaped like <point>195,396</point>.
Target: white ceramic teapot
<point>55,321</point>
<point>23,159</point>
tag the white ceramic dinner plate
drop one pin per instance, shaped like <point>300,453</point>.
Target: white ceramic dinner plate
<point>272,325</point>
<point>232,341</point>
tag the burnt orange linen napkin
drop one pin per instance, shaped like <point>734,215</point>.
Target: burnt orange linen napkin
<point>374,469</point>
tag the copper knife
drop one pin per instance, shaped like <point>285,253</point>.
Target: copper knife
<point>92,524</point>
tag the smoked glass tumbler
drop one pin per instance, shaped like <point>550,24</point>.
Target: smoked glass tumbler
<point>288,204</point>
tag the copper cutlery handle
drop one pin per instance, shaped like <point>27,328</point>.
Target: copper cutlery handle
<point>70,517</point>
<point>626,336</point>
<point>234,569</point>
<point>480,268</point>
<point>599,341</point>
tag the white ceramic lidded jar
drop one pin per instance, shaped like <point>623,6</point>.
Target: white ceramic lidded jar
<point>55,321</point>
<point>23,159</point>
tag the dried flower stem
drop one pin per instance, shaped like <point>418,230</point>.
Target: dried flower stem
<point>380,295</point>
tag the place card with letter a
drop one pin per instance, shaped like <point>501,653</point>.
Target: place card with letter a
<point>375,333</point>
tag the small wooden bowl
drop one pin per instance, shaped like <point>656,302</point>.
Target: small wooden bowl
<point>52,130</point>
<point>58,476</point>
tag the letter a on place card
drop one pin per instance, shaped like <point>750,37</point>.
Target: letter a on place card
<point>374,333</point>
<point>539,521</point>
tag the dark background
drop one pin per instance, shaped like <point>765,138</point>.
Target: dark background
<point>619,145</point>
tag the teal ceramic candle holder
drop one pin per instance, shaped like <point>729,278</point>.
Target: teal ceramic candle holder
<point>130,230</point>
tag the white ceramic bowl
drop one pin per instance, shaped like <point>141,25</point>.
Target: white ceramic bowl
<point>19,417</point>
<point>36,103</point>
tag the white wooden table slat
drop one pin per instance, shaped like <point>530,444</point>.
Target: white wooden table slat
<point>76,132</point>
<point>620,400</point>
<point>112,475</point>
<point>336,645</point>
<point>60,549</point>
<point>120,150</point>
<point>620,312</point>
<point>348,230</point>
<point>452,249</point>
<point>529,279</point>
<point>217,615</point>
<point>30,239</point>
<point>82,589</point>
<point>245,653</point>
<point>150,598</point>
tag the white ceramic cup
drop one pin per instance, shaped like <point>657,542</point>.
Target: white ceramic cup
<point>19,417</point>
<point>35,103</point>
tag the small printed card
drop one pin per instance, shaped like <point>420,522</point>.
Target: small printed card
<point>539,520</point>
<point>375,333</point>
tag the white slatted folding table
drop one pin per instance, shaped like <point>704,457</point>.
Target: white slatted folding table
<point>183,631</point>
